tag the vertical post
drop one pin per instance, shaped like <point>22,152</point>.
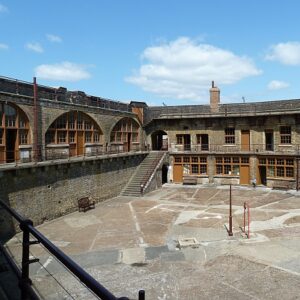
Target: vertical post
<point>230,213</point>
<point>141,295</point>
<point>25,281</point>
<point>297,174</point>
<point>248,221</point>
<point>245,207</point>
<point>35,120</point>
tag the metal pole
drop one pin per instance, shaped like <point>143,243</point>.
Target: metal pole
<point>297,174</point>
<point>245,207</point>
<point>230,213</point>
<point>248,221</point>
<point>141,295</point>
<point>25,280</point>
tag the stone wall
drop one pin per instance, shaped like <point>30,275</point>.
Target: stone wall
<point>46,191</point>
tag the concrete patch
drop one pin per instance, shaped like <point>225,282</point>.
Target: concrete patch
<point>187,215</point>
<point>133,256</point>
<point>83,221</point>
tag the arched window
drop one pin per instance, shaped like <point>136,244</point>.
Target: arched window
<point>125,135</point>
<point>14,133</point>
<point>77,131</point>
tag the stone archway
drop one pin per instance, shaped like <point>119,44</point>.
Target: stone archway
<point>15,138</point>
<point>159,140</point>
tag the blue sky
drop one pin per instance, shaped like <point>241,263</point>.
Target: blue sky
<point>155,51</point>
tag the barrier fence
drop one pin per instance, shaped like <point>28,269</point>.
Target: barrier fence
<point>56,152</point>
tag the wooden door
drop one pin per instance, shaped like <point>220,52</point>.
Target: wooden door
<point>80,144</point>
<point>244,175</point>
<point>72,149</point>
<point>245,140</point>
<point>177,173</point>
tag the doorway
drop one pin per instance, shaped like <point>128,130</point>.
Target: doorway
<point>244,175</point>
<point>245,140</point>
<point>187,142</point>
<point>11,139</point>
<point>177,173</point>
<point>262,175</point>
<point>164,175</point>
<point>128,141</point>
<point>159,140</point>
<point>269,135</point>
<point>80,143</point>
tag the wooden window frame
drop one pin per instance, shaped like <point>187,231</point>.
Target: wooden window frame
<point>275,165</point>
<point>229,136</point>
<point>71,123</point>
<point>285,135</point>
<point>193,164</point>
<point>230,165</point>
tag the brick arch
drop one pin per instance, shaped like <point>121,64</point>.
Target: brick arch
<point>15,132</point>
<point>125,134</point>
<point>77,132</point>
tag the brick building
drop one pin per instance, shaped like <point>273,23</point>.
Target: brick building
<point>216,143</point>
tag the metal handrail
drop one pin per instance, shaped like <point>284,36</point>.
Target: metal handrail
<point>27,227</point>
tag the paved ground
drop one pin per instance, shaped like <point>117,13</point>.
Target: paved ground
<point>132,243</point>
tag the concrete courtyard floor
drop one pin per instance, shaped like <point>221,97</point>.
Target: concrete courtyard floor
<point>130,243</point>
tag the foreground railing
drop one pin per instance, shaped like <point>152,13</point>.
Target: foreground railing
<point>27,292</point>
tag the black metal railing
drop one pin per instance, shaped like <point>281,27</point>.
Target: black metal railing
<point>25,282</point>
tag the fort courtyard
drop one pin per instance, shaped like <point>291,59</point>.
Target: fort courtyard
<point>173,243</point>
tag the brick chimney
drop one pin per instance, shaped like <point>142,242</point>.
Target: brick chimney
<point>214,98</point>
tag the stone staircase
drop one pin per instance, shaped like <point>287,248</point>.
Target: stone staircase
<point>142,174</point>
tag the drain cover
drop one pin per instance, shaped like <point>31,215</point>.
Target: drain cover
<point>188,242</point>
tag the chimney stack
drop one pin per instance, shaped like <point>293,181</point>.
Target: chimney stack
<point>214,98</point>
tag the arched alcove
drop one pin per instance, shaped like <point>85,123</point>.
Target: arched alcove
<point>125,135</point>
<point>14,133</point>
<point>76,133</point>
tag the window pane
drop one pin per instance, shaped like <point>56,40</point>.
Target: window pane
<point>177,158</point>
<point>219,169</point>
<point>186,159</point>
<point>203,169</point>
<point>195,169</point>
<point>280,171</point>
<point>289,172</point>
<point>227,169</point>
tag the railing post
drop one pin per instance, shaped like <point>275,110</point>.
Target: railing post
<point>141,295</point>
<point>230,233</point>
<point>25,280</point>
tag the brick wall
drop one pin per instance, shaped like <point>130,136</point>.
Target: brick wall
<point>47,191</point>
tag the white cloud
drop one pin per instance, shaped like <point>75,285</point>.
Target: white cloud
<point>54,38</point>
<point>3,47</point>
<point>35,47</point>
<point>184,68</point>
<point>285,53</point>
<point>3,8</point>
<point>277,85</point>
<point>65,71</point>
